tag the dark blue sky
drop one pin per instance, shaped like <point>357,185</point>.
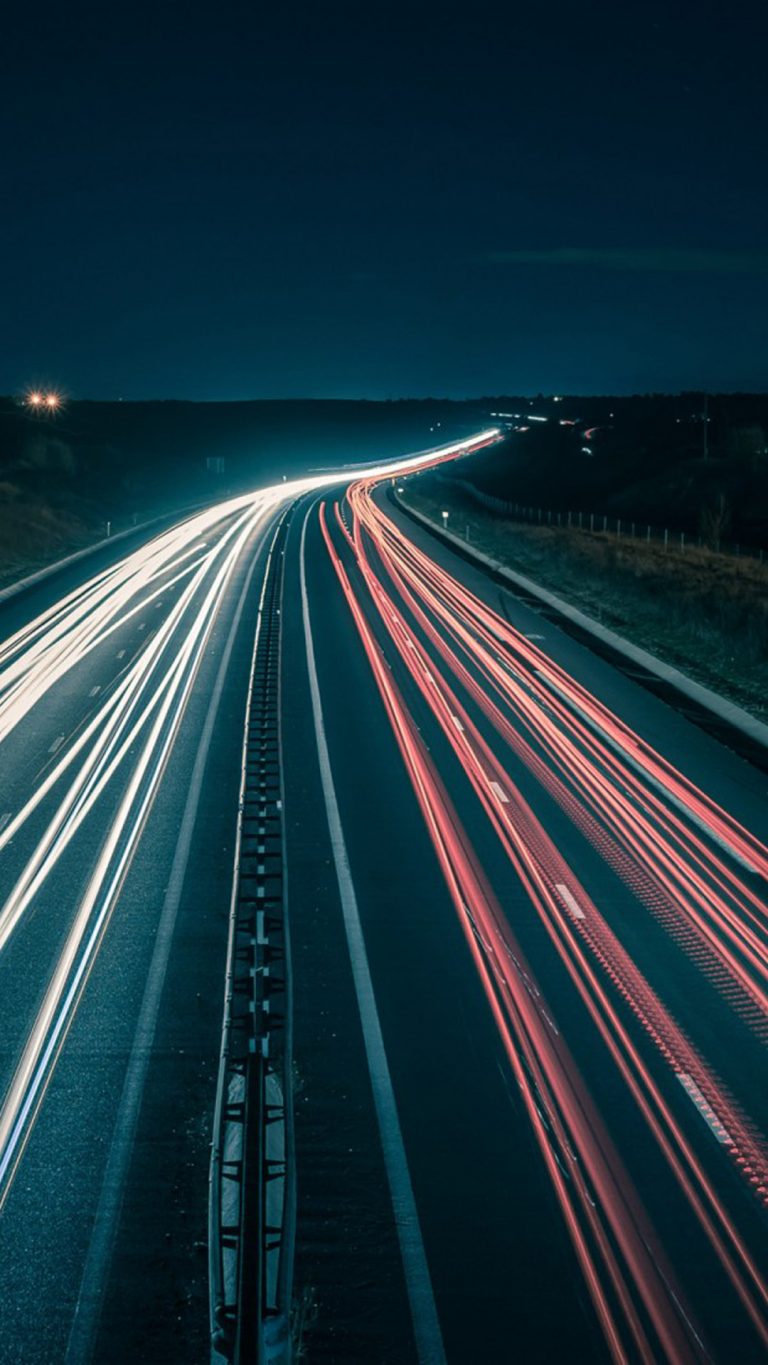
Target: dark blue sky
<point>242,200</point>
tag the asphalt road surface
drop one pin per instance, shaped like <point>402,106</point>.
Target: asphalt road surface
<point>530,978</point>
<point>527,912</point>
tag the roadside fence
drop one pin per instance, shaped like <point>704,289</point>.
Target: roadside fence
<point>601,524</point>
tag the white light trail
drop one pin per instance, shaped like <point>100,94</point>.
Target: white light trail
<point>132,728</point>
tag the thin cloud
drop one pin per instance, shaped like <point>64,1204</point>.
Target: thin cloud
<point>668,259</point>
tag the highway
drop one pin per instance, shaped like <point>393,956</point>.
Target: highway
<point>543,901</point>
<point>527,916</point>
<point>122,691</point>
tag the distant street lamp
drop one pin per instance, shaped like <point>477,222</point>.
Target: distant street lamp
<point>444,515</point>
<point>43,402</point>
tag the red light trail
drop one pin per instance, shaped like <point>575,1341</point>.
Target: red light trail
<point>681,855</point>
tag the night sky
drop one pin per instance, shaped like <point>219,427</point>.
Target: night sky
<point>252,200</point>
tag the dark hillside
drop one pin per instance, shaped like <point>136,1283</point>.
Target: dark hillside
<point>63,478</point>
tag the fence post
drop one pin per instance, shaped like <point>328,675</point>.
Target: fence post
<point>666,537</point>
<point>579,520</point>
<point>648,535</point>
<point>605,523</point>
<point>591,521</point>
<point>558,518</point>
<point>618,526</point>
<point>682,540</point>
<point>569,518</point>
<point>633,530</point>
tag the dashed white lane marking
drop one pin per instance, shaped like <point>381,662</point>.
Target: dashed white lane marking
<point>120,654</point>
<point>94,692</point>
<point>57,743</point>
<point>535,637</point>
<point>143,625</point>
<point>705,1108</point>
<point>499,793</point>
<point>458,724</point>
<point>4,818</point>
<point>570,901</point>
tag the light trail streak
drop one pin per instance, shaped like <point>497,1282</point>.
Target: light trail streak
<point>726,921</point>
<point>527,842</point>
<point>582,934</point>
<point>133,729</point>
<point>544,1071</point>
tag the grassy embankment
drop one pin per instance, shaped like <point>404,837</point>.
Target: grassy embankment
<point>34,533</point>
<point>705,613</point>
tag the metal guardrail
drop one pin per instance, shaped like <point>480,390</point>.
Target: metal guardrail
<point>252,1181</point>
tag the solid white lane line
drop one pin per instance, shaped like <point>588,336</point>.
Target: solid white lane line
<point>120,654</point>
<point>94,692</point>
<point>95,1271</point>
<point>570,900</point>
<point>4,818</point>
<point>426,1325</point>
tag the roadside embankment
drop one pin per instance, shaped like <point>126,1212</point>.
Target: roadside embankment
<point>703,613</point>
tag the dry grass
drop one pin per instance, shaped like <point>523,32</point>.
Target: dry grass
<point>33,534</point>
<point>703,612</point>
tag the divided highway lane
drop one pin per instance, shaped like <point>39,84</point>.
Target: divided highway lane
<point>101,702</point>
<point>614,915</point>
<point>117,812</point>
<point>470,1161</point>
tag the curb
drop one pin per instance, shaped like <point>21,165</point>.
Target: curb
<point>726,712</point>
